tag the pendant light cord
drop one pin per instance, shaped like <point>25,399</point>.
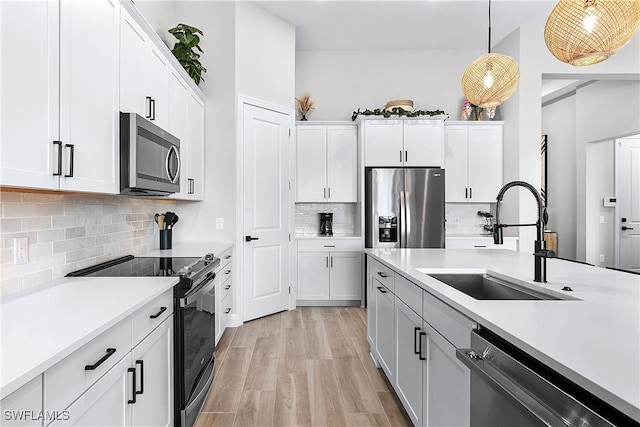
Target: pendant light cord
<point>489,47</point>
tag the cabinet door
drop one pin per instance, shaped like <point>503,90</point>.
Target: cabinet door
<point>423,143</point>
<point>26,398</point>
<point>89,57</point>
<point>177,126</point>
<point>311,164</point>
<point>313,275</point>
<point>382,143</point>
<point>447,383</point>
<point>29,103</point>
<point>345,281</point>
<point>371,305</point>
<point>385,329</point>
<point>133,67</point>
<point>485,163</point>
<point>455,163</point>
<point>408,381</point>
<point>153,360</point>
<point>158,83</point>
<point>342,164</point>
<point>105,403</point>
<point>195,148</point>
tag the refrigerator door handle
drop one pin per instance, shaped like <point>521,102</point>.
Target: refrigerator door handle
<point>402,223</point>
<point>407,217</point>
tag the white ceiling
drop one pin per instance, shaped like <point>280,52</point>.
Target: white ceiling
<point>399,24</point>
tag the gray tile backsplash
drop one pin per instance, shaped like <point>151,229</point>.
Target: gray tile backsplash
<point>67,232</point>
<point>307,219</point>
<point>463,219</point>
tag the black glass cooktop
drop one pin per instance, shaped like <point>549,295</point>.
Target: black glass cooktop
<point>130,266</point>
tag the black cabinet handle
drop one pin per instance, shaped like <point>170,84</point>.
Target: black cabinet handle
<point>331,261</point>
<point>227,256</point>
<point>381,289</point>
<point>400,156</point>
<point>153,109</point>
<point>226,288</point>
<point>406,156</point>
<point>422,334</point>
<point>381,274</point>
<point>227,272</point>
<point>191,186</point>
<point>141,363</point>
<point>416,348</point>
<point>70,160</point>
<point>329,193</point>
<point>134,388</point>
<point>148,115</point>
<point>249,238</point>
<point>59,144</point>
<point>470,192</point>
<point>466,193</point>
<point>227,311</point>
<point>155,316</point>
<point>626,228</point>
<point>110,352</point>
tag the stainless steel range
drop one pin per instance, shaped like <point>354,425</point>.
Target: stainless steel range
<point>194,321</point>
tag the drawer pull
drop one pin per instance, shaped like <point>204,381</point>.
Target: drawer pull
<point>227,272</point>
<point>155,316</point>
<point>381,289</point>
<point>329,246</point>
<point>110,352</point>
<point>479,246</point>
<point>226,288</point>
<point>227,256</point>
<point>416,349</point>
<point>133,383</point>
<point>381,274</point>
<point>420,356</point>
<point>227,311</point>
<point>141,363</point>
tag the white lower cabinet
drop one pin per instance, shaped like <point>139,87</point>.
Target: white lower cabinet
<point>224,293</point>
<point>414,341</point>
<point>22,407</point>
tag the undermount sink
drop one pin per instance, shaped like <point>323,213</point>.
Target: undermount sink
<point>485,287</point>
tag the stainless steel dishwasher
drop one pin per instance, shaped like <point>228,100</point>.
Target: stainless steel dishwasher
<point>510,388</point>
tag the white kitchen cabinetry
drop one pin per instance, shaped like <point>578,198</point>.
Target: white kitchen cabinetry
<point>26,398</point>
<point>403,142</point>
<point>375,270</point>
<point>473,161</point>
<point>326,163</point>
<point>66,136</point>
<point>224,293</point>
<point>414,339</point>
<point>329,270</point>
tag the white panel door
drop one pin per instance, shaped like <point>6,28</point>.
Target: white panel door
<point>266,203</point>
<point>342,164</point>
<point>29,103</point>
<point>409,366</point>
<point>383,143</point>
<point>423,143</point>
<point>153,360</point>
<point>89,97</point>
<point>455,163</point>
<point>313,275</point>
<point>311,163</point>
<point>485,163</point>
<point>346,275</point>
<point>629,204</point>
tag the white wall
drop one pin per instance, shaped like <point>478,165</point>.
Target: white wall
<point>340,82</point>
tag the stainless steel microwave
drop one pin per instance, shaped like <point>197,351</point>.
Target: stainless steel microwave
<point>149,158</point>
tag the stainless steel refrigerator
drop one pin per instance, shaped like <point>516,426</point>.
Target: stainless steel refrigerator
<point>404,208</point>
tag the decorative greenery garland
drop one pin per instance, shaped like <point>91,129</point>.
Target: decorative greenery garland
<point>395,111</point>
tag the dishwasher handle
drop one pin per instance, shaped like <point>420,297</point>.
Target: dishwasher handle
<point>490,375</point>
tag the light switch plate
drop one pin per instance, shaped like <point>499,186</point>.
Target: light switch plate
<point>219,223</point>
<point>20,250</point>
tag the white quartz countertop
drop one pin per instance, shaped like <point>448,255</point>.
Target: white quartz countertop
<point>594,341</point>
<point>41,328</point>
<point>190,249</point>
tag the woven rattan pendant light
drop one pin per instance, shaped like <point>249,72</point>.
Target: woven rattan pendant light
<point>491,79</point>
<point>585,32</point>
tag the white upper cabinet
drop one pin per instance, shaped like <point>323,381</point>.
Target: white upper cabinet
<point>193,171</point>
<point>326,163</point>
<point>403,142</point>
<point>473,161</point>
<point>60,105</point>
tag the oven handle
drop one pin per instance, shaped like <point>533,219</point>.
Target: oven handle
<point>496,379</point>
<point>208,284</point>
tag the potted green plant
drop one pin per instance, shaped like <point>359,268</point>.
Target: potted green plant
<point>184,50</point>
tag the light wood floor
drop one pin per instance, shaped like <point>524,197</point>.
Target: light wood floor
<point>307,367</point>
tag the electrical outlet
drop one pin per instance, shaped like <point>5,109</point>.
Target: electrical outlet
<point>20,250</point>
<point>219,223</point>
<point>601,257</point>
<point>601,219</point>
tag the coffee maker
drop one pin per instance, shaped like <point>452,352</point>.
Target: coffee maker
<point>326,223</point>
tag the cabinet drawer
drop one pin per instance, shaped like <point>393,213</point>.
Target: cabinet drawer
<point>225,258</point>
<point>68,379</point>
<point>225,307</point>
<point>451,324</point>
<point>227,282</point>
<point>146,319</point>
<point>480,243</point>
<point>381,272</point>
<point>331,245</point>
<point>409,293</point>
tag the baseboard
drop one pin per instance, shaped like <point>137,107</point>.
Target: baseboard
<point>325,303</point>
<point>234,321</point>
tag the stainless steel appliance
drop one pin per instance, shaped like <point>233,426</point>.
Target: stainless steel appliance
<point>326,223</point>
<point>149,158</point>
<point>193,317</point>
<point>510,388</point>
<point>404,207</point>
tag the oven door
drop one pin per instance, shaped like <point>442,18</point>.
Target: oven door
<point>195,349</point>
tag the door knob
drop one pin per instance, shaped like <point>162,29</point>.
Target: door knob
<point>626,228</point>
<point>249,238</point>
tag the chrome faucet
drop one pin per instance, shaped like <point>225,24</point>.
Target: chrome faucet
<point>541,253</point>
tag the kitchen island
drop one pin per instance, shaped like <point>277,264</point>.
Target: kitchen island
<point>592,337</point>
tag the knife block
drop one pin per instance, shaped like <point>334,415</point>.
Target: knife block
<point>165,239</point>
